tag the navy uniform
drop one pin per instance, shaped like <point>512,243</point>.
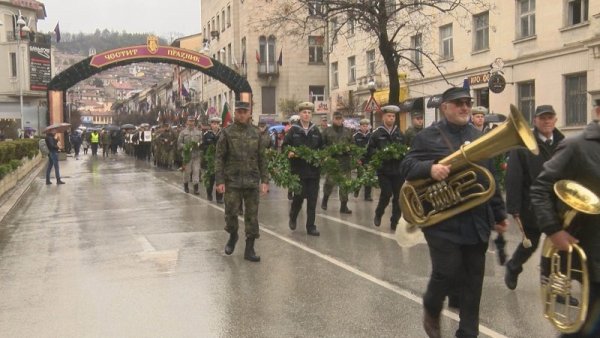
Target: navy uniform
<point>305,133</point>
<point>361,139</point>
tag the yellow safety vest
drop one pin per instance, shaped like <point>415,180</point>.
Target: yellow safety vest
<point>94,138</point>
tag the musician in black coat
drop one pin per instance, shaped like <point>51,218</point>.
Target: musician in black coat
<point>578,159</point>
<point>457,245</point>
<point>523,168</point>
<point>304,133</point>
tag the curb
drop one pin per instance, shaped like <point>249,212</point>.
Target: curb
<point>13,196</point>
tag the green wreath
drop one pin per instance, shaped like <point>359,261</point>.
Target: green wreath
<point>393,151</point>
<point>208,157</point>
<point>187,150</point>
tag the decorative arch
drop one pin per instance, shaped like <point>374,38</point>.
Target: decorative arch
<point>151,52</point>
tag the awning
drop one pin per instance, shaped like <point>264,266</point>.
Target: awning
<point>434,101</point>
<point>411,105</point>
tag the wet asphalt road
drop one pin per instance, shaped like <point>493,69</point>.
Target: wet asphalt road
<point>121,251</point>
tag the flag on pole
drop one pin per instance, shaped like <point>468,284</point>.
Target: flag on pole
<point>257,57</point>
<point>280,60</point>
<point>226,115</point>
<point>57,32</point>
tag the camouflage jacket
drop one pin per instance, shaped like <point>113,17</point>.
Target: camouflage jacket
<point>339,135</point>
<point>240,157</point>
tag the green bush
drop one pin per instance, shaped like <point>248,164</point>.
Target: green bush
<point>4,170</point>
<point>14,164</point>
<point>12,152</point>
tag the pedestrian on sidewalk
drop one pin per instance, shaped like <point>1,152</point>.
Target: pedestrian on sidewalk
<point>240,167</point>
<point>52,157</point>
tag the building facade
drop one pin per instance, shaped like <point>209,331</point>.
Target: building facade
<point>25,67</point>
<point>545,54</point>
<point>279,68</point>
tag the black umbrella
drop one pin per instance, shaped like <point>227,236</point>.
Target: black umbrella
<point>111,127</point>
<point>128,126</point>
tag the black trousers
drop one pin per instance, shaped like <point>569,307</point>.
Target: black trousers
<point>522,254</point>
<point>310,191</point>
<point>591,327</point>
<point>456,267</point>
<point>390,186</point>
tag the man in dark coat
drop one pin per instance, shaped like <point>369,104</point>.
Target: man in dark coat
<point>458,244</point>
<point>415,128</point>
<point>240,167</point>
<point>304,133</point>
<point>523,168</point>
<point>52,145</point>
<point>388,175</point>
<point>576,158</point>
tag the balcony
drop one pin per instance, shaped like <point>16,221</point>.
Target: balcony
<point>268,69</point>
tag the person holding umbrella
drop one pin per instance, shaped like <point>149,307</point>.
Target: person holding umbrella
<point>52,157</point>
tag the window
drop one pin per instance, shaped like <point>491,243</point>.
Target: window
<point>526,10</point>
<point>223,23</point>
<point>575,100</point>
<point>351,24</point>
<point>352,69</point>
<point>371,62</point>
<point>446,47</point>
<point>577,11</point>
<point>13,64</point>
<point>334,29</point>
<point>482,32</point>
<point>334,75</point>
<point>526,93</point>
<point>268,100</point>
<point>228,16</point>
<point>315,49</point>
<point>315,8</point>
<point>267,54</point>
<point>416,42</point>
<point>218,23</point>
<point>317,93</point>
<point>229,57</point>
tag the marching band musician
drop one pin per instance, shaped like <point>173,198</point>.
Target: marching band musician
<point>578,159</point>
<point>191,136</point>
<point>523,168</point>
<point>457,245</point>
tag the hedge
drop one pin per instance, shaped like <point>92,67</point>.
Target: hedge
<point>12,152</point>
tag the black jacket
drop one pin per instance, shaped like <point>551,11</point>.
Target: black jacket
<point>523,168</point>
<point>360,139</point>
<point>311,138</point>
<point>471,226</point>
<point>380,138</point>
<point>51,143</point>
<point>576,158</point>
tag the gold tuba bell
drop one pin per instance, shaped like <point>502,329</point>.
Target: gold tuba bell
<point>559,272</point>
<point>427,202</point>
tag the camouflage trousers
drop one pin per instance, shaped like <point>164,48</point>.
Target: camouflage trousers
<point>192,168</point>
<point>330,184</point>
<point>234,197</point>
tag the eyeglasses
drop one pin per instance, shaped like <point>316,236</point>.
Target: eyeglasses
<point>459,103</point>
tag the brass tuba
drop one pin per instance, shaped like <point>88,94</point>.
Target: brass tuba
<point>427,202</point>
<point>558,272</point>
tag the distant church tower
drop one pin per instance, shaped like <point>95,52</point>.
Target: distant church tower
<point>92,51</point>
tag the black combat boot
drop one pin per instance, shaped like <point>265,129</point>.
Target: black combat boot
<point>377,220</point>
<point>48,182</point>
<point>196,191</point>
<point>249,254</point>
<point>219,198</point>
<point>186,187</point>
<point>324,202</point>
<point>344,208</point>
<point>209,194</point>
<point>230,246</point>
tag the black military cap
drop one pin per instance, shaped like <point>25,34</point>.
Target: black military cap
<point>242,105</point>
<point>456,93</point>
<point>337,114</point>
<point>544,109</point>
<point>416,114</point>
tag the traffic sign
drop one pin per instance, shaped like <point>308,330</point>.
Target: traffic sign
<point>371,105</point>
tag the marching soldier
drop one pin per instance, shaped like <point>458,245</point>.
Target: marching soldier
<point>304,133</point>
<point>417,126</point>
<point>168,142</point>
<point>191,137</point>
<point>337,134</point>
<point>361,139</point>
<point>240,167</point>
<point>389,176</point>
<point>211,137</point>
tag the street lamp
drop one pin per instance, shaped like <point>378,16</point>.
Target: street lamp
<point>372,88</point>
<point>22,26</point>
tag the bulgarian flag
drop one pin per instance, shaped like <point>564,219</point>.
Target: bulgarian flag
<point>226,115</point>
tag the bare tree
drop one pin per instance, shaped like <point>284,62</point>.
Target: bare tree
<point>389,24</point>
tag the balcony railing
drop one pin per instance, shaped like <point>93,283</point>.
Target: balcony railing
<point>268,69</point>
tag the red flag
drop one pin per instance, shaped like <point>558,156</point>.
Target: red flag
<point>57,32</point>
<point>280,60</point>
<point>257,57</point>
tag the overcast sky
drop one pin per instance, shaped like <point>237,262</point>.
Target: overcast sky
<point>135,16</point>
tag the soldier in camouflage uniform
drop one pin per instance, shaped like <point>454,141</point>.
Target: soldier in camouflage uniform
<point>417,126</point>
<point>168,142</point>
<point>361,139</point>
<point>191,136</point>
<point>209,138</point>
<point>337,134</point>
<point>240,166</point>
